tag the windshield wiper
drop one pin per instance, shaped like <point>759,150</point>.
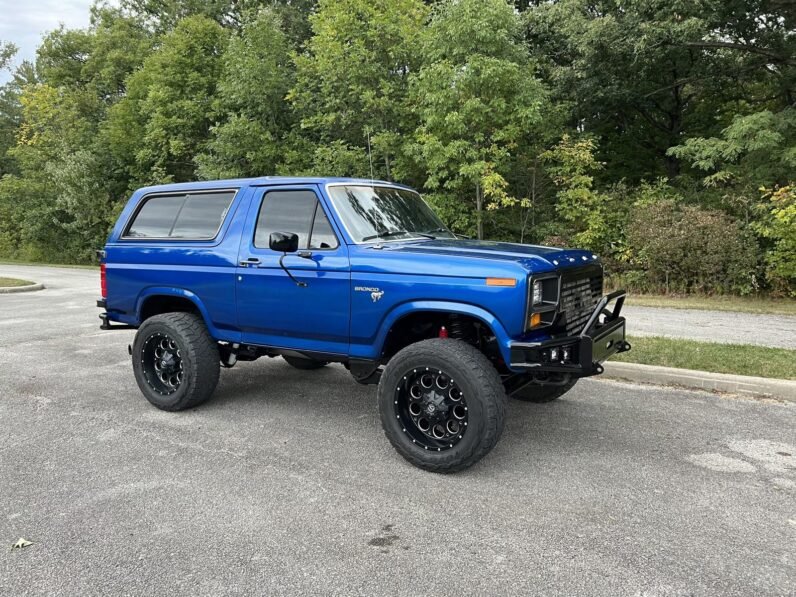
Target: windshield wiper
<point>388,233</point>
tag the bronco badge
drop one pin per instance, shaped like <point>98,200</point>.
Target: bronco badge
<point>375,293</point>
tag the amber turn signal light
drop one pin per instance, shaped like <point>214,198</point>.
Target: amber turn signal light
<point>501,282</point>
<point>536,319</point>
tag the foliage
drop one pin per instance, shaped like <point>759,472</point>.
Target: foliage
<point>779,227</point>
<point>757,148</point>
<point>170,97</point>
<point>352,81</point>
<point>7,52</point>
<point>645,74</point>
<point>642,130</point>
<point>682,248</point>
<point>571,167</point>
<point>250,102</point>
<point>478,98</point>
<point>11,112</point>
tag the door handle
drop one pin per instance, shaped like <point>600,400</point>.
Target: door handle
<point>250,261</point>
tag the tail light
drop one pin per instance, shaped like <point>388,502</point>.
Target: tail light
<point>103,281</point>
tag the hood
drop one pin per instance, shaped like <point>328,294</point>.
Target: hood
<point>533,258</point>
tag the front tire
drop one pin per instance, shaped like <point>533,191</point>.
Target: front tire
<point>442,404</point>
<point>175,361</point>
<point>543,393</point>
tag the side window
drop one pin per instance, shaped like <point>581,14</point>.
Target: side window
<point>202,215</point>
<point>322,236</point>
<point>156,217</point>
<point>190,216</point>
<point>294,211</point>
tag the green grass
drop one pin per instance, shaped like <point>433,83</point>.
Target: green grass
<point>740,304</point>
<point>11,282</point>
<point>37,263</point>
<point>738,359</point>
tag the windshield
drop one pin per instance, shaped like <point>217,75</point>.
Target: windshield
<point>371,213</point>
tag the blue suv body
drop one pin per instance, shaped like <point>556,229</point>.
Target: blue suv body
<point>322,270</point>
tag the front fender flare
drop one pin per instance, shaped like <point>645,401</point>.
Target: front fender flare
<point>483,315</point>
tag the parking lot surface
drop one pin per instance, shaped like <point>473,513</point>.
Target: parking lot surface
<point>285,484</point>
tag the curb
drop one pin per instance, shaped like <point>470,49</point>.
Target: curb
<point>29,288</point>
<point>781,389</point>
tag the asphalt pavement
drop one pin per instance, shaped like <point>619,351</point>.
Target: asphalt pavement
<point>727,327</point>
<point>285,484</point>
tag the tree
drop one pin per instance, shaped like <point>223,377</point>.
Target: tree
<point>7,53</point>
<point>62,55</point>
<point>250,108</point>
<point>161,16</point>
<point>10,107</point>
<point>119,45</point>
<point>352,80</point>
<point>571,164</point>
<point>778,228</point>
<point>164,120</point>
<point>478,99</point>
<point>59,204</point>
<point>757,149</point>
<point>644,75</point>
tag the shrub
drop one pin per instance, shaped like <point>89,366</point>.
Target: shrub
<point>688,249</point>
<point>779,228</point>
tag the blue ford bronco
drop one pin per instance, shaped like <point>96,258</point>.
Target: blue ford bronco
<point>358,272</point>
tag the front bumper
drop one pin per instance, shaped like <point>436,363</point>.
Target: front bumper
<point>602,336</point>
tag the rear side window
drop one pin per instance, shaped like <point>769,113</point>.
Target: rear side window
<point>189,216</point>
<point>297,212</point>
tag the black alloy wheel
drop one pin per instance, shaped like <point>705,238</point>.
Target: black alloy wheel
<point>432,408</point>
<point>442,404</point>
<point>161,360</point>
<point>175,361</point>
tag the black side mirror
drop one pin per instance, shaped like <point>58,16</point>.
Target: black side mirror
<point>284,242</point>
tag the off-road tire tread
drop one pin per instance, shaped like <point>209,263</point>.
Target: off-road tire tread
<point>202,351</point>
<point>490,388</point>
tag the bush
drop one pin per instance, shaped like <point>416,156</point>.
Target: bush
<point>779,229</point>
<point>687,249</point>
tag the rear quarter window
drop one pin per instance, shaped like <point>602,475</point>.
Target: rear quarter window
<point>180,216</point>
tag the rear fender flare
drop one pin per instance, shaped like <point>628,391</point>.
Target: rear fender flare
<point>153,291</point>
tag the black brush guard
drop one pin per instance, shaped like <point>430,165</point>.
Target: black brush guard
<point>603,335</point>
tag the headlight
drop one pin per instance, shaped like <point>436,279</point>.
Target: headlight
<point>536,296</point>
<point>542,300</point>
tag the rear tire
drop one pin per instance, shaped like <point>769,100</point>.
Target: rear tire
<point>304,364</point>
<point>442,404</point>
<point>175,361</point>
<point>541,394</point>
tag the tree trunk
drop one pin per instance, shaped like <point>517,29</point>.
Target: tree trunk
<point>479,206</point>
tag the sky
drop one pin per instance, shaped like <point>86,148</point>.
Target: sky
<point>22,22</point>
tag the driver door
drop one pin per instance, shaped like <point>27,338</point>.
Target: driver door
<point>272,309</point>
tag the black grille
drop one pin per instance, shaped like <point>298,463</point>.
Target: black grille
<point>580,292</point>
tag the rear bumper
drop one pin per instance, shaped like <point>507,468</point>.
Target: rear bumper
<point>579,355</point>
<point>105,318</point>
